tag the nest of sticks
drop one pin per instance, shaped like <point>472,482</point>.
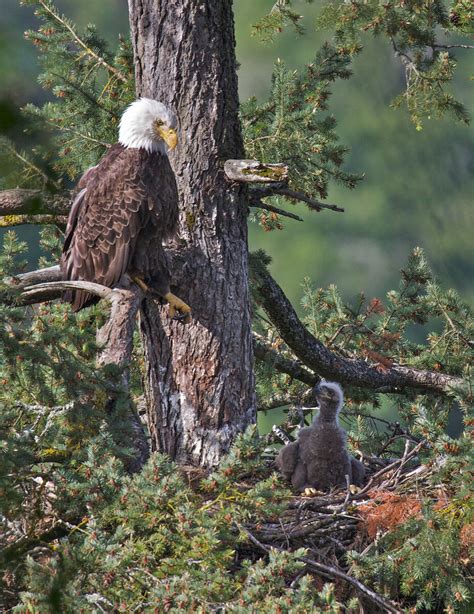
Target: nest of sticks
<point>329,525</point>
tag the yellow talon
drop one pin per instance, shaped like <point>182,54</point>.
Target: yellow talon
<point>177,305</point>
<point>140,283</point>
<point>310,492</point>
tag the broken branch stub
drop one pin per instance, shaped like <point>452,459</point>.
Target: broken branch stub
<point>253,171</point>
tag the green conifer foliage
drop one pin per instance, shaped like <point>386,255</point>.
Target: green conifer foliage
<point>412,28</point>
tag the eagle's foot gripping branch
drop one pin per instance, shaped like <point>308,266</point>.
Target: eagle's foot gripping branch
<point>177,305</point>
<point>179,310</point>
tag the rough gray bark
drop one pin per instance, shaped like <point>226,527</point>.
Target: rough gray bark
<point>198,381</point>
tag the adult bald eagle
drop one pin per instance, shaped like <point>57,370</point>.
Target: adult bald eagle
<point>124,208</point>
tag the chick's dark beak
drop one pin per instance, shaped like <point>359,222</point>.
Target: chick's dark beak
<point>321,392</point>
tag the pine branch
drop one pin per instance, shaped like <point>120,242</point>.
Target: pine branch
<point>265,353</point>
<point>115,339</point>
<point>24,544</point>
<point>52,290</point>
<point>317,357</point>
<point>29,164</point>
<point>90,52</point>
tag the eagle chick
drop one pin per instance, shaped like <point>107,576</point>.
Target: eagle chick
<point>319,458</point>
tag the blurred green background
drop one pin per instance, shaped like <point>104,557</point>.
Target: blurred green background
<point>418,186</point>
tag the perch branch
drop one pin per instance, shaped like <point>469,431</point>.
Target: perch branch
<point>33,202</point>
<point>52,290</point>
<point>40,276</point>
<point>317,357</point>
<point>7,221</point>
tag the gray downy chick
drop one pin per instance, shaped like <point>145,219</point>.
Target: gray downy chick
<point>319,458</point>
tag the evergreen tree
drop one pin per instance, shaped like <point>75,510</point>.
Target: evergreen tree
<point>80,532</point>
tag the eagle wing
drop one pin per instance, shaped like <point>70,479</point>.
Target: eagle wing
<point>108,212</point>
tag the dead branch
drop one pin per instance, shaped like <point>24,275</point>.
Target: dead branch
<point>33,202</point>
<point>116,341</point>
<point>52,290</point>
<point>40,276</point>
<point>253,171</point>
<point>326,363</point>
<point>7,221</point>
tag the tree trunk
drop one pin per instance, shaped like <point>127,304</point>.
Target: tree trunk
<point>198,382</point>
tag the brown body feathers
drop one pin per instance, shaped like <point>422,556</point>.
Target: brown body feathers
<point>124,206</point>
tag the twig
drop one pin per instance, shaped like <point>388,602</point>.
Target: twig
<point>437,46</point>
<point>283,190</point>
<point>389,467</point>
<point>255,202</point>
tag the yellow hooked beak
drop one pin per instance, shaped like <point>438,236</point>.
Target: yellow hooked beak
<point>168,135</point>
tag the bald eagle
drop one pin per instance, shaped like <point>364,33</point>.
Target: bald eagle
<point>123,210</point>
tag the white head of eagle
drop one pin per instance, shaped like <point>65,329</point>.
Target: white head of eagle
<point>150,125</point>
